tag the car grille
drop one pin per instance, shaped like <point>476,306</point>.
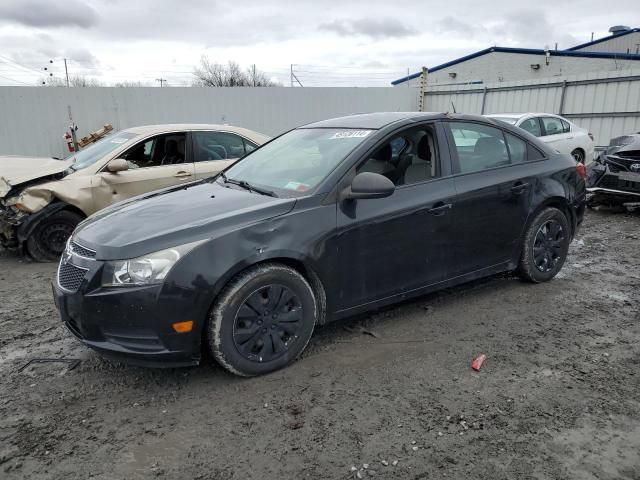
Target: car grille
<point>82,251</point>
<point>70,277</point>
<point>629,182</point>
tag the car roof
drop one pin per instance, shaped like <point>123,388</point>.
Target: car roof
<point>169,127</point>
<point>371,120</point>
<point>522,115</point>
<point>378,120</point>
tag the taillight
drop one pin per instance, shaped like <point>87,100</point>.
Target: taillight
<point>582,171</point>
<point>591,136</point>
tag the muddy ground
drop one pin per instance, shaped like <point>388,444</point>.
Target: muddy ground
<point>558,397</point>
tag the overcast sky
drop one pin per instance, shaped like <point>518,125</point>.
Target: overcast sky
<point>331,43</point>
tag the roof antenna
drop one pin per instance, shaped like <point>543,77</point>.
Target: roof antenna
<point>453,106</point>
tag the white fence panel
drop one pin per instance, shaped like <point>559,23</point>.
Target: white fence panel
<point>606,103</point>
<point>33,119</point>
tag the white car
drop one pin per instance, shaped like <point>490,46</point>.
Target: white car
<point>560,133</point>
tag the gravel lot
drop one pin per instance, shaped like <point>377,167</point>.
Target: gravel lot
<point>557,397</point>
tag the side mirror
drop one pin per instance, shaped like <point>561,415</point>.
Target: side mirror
<point>117,165</point>
<point>369,185</point>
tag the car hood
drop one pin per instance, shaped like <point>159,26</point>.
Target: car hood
<point>15,170</point>
<point>172,217</point>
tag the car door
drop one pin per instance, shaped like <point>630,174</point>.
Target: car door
<point>214,151</point>
<point>154,163</point>
<point>492,194</point>
<point>555,134</point>
<point>394,245</point>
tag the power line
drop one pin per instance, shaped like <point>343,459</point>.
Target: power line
<point>19,65</point>
<point>16,81</point>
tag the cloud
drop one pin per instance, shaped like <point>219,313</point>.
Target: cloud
<point>48,13</point>
<point>82,57</point>
<point>369,27</point>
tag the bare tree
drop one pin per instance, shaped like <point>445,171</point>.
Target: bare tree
<point>131,83</point>
<point>209,74</point>
<point>74,81</point>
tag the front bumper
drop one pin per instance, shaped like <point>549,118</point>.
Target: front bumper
<point>133,325</point>
<point>9,223</point>
<point>607,186</point>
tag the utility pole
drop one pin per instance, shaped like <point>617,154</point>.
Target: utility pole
<point>423,90</point>
<point>66,72</point>
<point>162,81</point>
<point>254,74</point>
<point>294,77</point>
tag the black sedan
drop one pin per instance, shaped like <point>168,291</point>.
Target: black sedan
<point>328,220</point>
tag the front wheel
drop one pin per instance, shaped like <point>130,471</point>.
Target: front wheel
<point>46,243</point>
<point>262,320</point>
<point>545,246</point>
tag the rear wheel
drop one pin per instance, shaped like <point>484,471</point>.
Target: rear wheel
<point>578,155</point>
<point>262,321</point>
<point>46,243</point>
<point>545,247</point>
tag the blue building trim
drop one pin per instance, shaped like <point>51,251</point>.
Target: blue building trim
<point>524,51</point>
<point>603,39</point>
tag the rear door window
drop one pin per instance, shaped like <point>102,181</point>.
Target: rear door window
<point>478,147</point>
<point>517,148</point>
<point>552,125</point>
<point>532,125</point>
<point>219,146</point>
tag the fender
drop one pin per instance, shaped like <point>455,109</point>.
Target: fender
<point>27,227</point>
<point>294,259</point>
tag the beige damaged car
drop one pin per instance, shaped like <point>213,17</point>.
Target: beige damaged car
<point>43,199</point>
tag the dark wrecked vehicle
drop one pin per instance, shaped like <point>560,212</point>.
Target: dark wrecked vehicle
<point>328,220</point>
<point>614,178</point>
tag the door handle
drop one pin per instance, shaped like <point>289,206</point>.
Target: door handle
<point>440,208</point>
<point>518,188</point>
<point>182,174</point>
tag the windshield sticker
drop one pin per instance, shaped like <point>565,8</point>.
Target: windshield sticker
<point>351,134</point>
<point>119,140</point>
<point>300,187</point>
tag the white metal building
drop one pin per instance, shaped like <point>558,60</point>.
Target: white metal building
<point>618,51</point>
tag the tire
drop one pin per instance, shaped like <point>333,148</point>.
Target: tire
<point>578,155</point>
<point>46,243</point>
<point>262,320</point>
<point>545,246</point>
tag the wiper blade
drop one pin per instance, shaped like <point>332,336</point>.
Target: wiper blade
<point>247,186</point>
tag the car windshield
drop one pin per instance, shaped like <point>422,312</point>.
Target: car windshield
<point>94,152</point>
<point>509,120</point>
<point>298,160</point>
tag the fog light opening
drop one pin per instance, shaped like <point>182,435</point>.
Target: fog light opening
<point>183,327</point>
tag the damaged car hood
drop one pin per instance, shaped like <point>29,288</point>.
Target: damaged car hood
<point>172,217</point>
<point>15,170</point>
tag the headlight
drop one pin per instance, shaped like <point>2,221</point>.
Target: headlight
<point>146,270</point>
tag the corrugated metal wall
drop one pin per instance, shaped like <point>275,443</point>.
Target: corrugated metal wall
<point>33,119</point>
<point>606,103</point>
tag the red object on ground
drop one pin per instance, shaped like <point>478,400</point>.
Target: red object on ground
<point>477,363</point>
